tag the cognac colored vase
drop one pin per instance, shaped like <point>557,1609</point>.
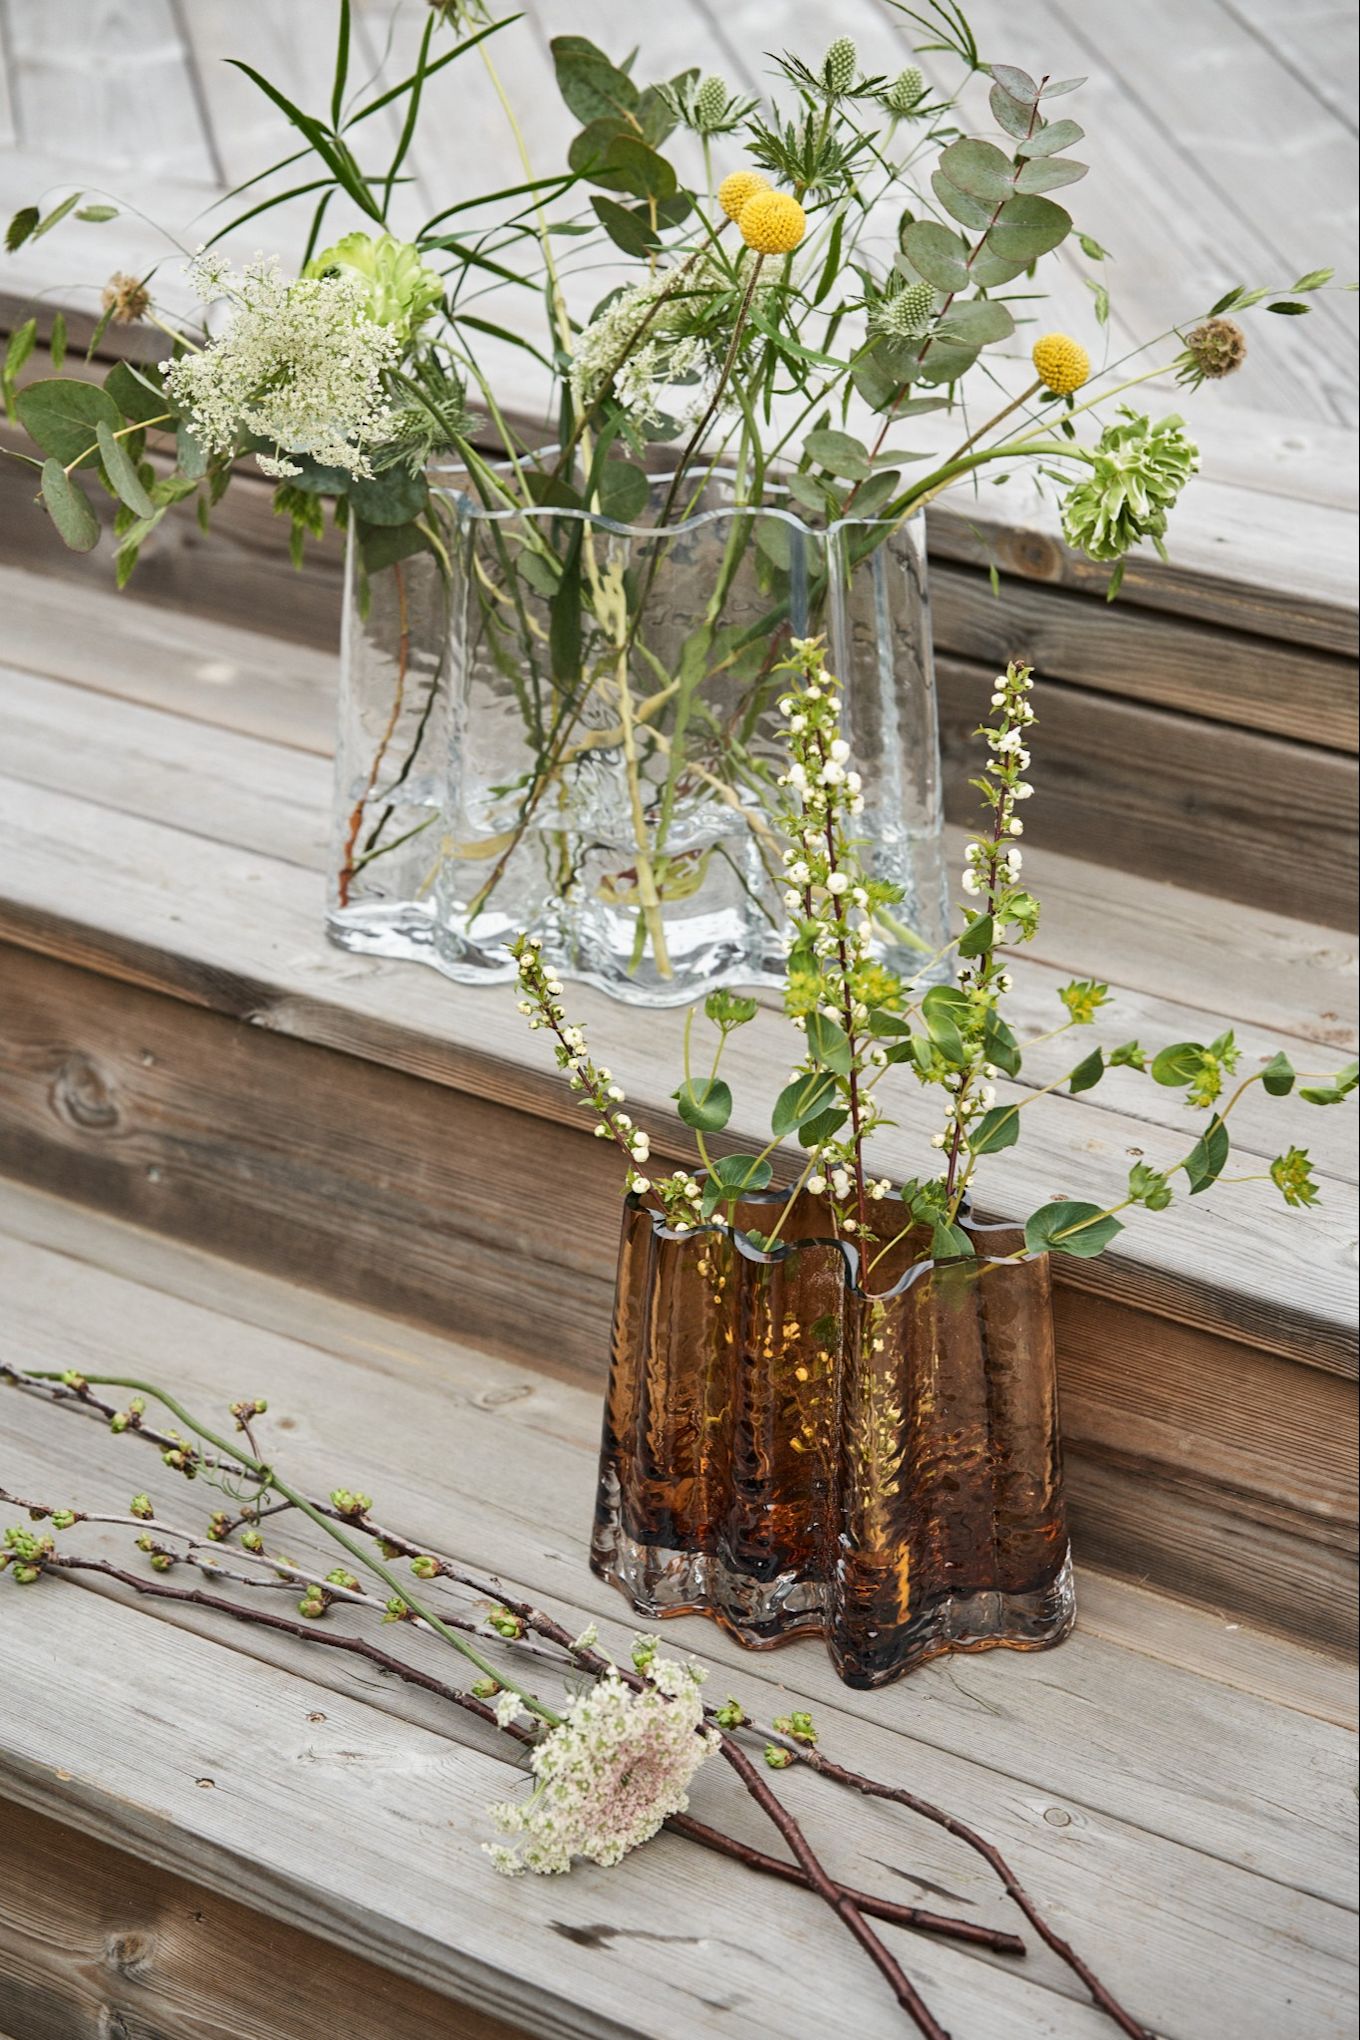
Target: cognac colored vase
<point>791,1450</point>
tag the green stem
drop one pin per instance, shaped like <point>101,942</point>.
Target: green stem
<point>268,1477</point>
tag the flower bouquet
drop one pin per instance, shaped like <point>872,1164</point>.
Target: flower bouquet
<point>833,1399</point>
<point>561,657</point>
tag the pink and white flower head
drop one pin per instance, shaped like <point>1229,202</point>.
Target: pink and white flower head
<point>617,1767</point>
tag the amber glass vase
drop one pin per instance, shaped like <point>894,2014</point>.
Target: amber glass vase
<point>791,1449</point>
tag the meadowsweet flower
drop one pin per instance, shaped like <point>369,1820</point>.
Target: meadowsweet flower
<point>655,374</point>
<point>618,1766</point>
<point>300,365</point>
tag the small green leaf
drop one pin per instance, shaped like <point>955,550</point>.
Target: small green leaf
<point>828,1044</point>
<point>822,1126</point>
<point>979,168</point>
<point>631,231</point>
<point>1063,1228</point>
<point>58,213</point>
<point>1315,279</point>
<point>943,1009</point>
<point>622,491</point>
<point>997,1129</point>
<point>951,1243</point>
<point>1277,1078</point>
<point>70,512</point>
<point>1015,81</point>
<point>1331,1093</point>
<point>1053,136</point>
<point>1087,1073</point>
<point>1179,1064</point>
<point>841,453</point>
<point>705,1104</point>
<point>21,228</point>
<point>96,215</point>
<point>1047,173</point>
<point>137,392</point>
<point>123,477</point>
<point>1289,309</point>
<point>801,1100</point>
<point>732,1177</point>
<point>1204,1163</point>
<point>939,256</point>
<point>979,937</point>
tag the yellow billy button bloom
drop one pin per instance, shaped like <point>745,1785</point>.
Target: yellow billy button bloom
<point>1061,363</point>
<point>734,191</point>
<point>773,223</point>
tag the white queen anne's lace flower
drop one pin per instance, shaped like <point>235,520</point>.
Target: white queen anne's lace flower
<point>300,365</point>
<point>655,373</point>
<point>618,1766</point>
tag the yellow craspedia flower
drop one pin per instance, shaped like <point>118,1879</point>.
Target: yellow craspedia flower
<point>734,191</point>
<point>773,222</point>
<point>1062,364</point>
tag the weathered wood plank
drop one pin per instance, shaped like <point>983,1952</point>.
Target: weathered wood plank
<point>252,950</point>
<point>237,790</point>
<point>1170,1631</point>
<point>135,106</point>
<point>373,1187</point>
<point>1136,655</point>
<point>1075,1721</point>
<point>1227,811</point>
<point>104,1943</point>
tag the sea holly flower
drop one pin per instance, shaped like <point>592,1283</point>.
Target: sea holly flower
<point>400,290</point>
<point>618,1766</point>
<point>906,92</point>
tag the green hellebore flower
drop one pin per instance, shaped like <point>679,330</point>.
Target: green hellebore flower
<point>402,291</point>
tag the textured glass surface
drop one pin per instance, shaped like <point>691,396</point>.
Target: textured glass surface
<point>611,794</point>
<point>787,1454</point>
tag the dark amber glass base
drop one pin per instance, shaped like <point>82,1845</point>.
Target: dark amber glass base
<point>789,1453</point>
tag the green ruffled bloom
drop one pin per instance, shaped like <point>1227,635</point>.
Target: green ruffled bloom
<point>1137,472</point>
<point>402,291</point>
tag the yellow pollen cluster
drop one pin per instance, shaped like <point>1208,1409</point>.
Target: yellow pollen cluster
<point>1062,364</point>
<point>773,223</point>
<point>734,191</point>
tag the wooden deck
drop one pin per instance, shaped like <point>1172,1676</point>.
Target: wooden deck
<point>1172,1786</point>
<point>232,1153</point>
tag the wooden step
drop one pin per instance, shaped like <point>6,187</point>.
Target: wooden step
<point>1206,1872</point>
<point>182,1047</point>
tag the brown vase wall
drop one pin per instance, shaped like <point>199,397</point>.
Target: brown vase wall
<point>788,1453</point>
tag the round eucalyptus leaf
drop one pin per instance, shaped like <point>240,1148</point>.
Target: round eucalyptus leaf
<point>979,168</point>
<point>70,512</point>
<point>939,256</point>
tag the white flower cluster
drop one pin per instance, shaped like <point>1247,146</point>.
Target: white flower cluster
<point>1009,759</point>
<point>620,1764</point>
<point>655,374</point>
<point>541,1004</point>
<point>299,365</point>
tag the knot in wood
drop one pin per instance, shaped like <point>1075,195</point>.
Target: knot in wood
<point>128,1954</point>
<point>82,1095</point>
<point>1032,554</point>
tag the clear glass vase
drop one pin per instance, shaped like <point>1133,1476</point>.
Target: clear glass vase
<point>575,731</point>
<point>788,1452</point>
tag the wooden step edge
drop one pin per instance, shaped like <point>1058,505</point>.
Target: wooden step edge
<point>328,1002</point>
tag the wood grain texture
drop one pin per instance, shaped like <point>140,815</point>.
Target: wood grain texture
<point>253,951</point>
<point>106,1944</point>
<point>374,1187</point>
<point>72,1236</point>
<point>1228,811</point>
<point>1209,1872</point>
